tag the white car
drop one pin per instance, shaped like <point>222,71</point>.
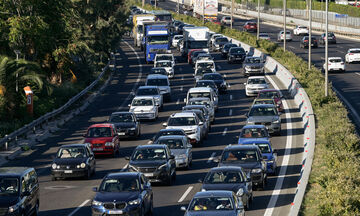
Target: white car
<point>208,64</point>
<point>264,36</point>
<point>226,20</point>
<point>301,30</point>
<point>352,55</point>
<point>168,65</point>
<point>176,39</point>
<point>161,57</point>
<point>144,107</point>
<point>288,36</point>
<point>201,92</point>
<point>203,56</point>
<point>254,85</point>
<point>335,64</point>
<point>152,91</point>
<point>162,82</point>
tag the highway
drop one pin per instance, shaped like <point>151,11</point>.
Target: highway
<point>73,196</point>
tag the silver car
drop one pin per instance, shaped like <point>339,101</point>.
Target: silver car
<point>207,103</point>
<point>265,114</point>
<point>254,85</point>
<point>253,66</point>
<point>202,118</point>
<point>203,109</point>
<point>179,147</point>
<point>288,36</point>
<point>162,82</point>
<point>153,91</point>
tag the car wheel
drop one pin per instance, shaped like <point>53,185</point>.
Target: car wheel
<point>53,178</point>
<point>247,205</point>
<point>36,210</point>
<point>88,174</point>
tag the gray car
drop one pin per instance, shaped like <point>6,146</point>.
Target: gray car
<point>207,103</point>
<point>253,66</point>
<point>265,114</point>
<point>153,91</point>
<point>179,147</point>
<point>203,109</point>
<point>219,43</point>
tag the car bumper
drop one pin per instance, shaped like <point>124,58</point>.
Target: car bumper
<point>127,133</point>
<point>337,69</point>
<point>150,116</point>
<point>101,211</point>
<point>181,162</point>
<point>68,173</point>
<point>254,72</point>
<point>357,59</point>
<point>271,166</point>
<point>107,150</point>
<point>157,176</point>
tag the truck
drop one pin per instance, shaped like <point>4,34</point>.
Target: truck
<point>206,8</point>
<point>188,4</point>
<point>138,26</point>
<point>162,15</point>
<point>156,41</point>
<point>195,38</point>
<point>144,26</point>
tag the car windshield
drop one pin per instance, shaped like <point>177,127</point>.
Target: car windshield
<point>252,60</point>
<point>269,94</point>
<point>157,82</point>
<point>223,177</point>
<point>172,143</point>
<point>202,71</point>
<point>354,51</point>
<point>199,102</point>
<point>212,77</point>
<point>211,204</point>
<point>240,156</point>
<point>164,58</point>
<point>71,152</point>
<point>198,53</point>
<point>119,118</point>
<point>335,60</point>
<point>263,111</point>
<point>149,154</point>
<point>254,133</point>
<point>256,81</point>
<point>95,132</point>
<point>250,23</point>
<point>9,186</point>
<point>221,40</point>
<point>228,46</point>
<point>142,102</point>
<point>182,121</point>
<point>119,185</point>
<point>163,64</point>
<point>199,95</point>
<point>206,65</point>
<point>205,84</point>
<point>147,91</point>
<point>197,44</point>
<point>264,147</point>
<point>158,71</point>
<point>237,50</point>
<point>302,27</point>
<point>158,39</point>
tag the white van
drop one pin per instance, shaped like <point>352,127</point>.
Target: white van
<point>201,92</point>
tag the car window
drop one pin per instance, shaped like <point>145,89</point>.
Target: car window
<point>71,152</point>
<point>253,133</point>
<point>256,81</point>
<point>142,102</point>
<point>212,77</point>
<point>238,50</point>
<point>149,154</point>
<point>211,204</point>
<point>354,51</point>
<point>9,186</point>
<point>95,132</point>
<point>240,156</point>
<point>205,84</point>
<point>221,40</point>
<point>164,57</point>
<point>163,64</point>
<point>252,60</point>
<point>264,102</point>
<point>199,95</point>
<point>264,147</point>
<point>119,118</point>
<point>335,60</point>
<point>263,111</point>
<point>157,82</point>
<point>200,102</point>
<point>223,177</point>
<point>182,121</point>
<point>119,185</point>
<point>206,65</point>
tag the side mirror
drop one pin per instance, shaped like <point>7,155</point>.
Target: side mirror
<point>184,100</point>
<point>164,124</point>
<point>95,189</point>
<point>189,146</point>
<point>172,157</point>
<point>183,208</point>
<point>201,123</point>
<point>127,158</point>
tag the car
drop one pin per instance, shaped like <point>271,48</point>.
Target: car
<point>288,36</point>
<point>254,85</point>
<point>206,123</point>
<point>189,122</point>
<point>220,203</point>
<point>19,191</point>
<point>266,151</point>
<point>162,82</point>
<point>225,49</point>
<point>213,37</point>
<point>352,55</point>
<point>189,57</point>
<point>158,70</point>
<point>167,132</point>
<point>274,94</point>
<point>331,38</point>
<point>236,54</point>
<point>304,43</point>
<point>218,43</point>
<point>103,139</point>
<point>200,72</point>
<point>203,110</point>
<point>226,20</point>
<point>182,26</point>
<point>265,114</point>
<point>264,101</point>
<point>168,65</point>
<point>176,39</point>
<point>201,92</point>
<point>250,27</point>
<point>180,45</point>
<point>218,80</point>
<point>164,57</point>
<point>203,56</point>
<point>152,91</point>
<point>195,54</point>
<point>301,30</point>
<point>179,147</point>
<point>155,161</point>
<point>249,158</point>
<point>121,193</point>
<point>73,160</point>
<point>204,101</point>
<point>264,36</point>
<point>253,132</point>
<point>335,64</point>
<point>126,124</point>
<point>253,66</point>
<point>205,64</point>
<point>144,107</point>
<point>215,21</point>
<point>230,178</point>
<point>207,83</point>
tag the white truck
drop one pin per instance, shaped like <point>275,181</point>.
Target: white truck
<point>206,8</point>
<point>195,38</point>
<point>188,4</point>
<point>138,27</point>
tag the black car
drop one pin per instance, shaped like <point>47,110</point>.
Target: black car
<point>218,80</point>
<point>219,43</point>
<point>158,70</point>
<point>207,83</point>
<point>155,161</point>
<point>74,160</point>
<point>249,158</point>
<point>236,54</point>
<point>232,179</point>
<point>226,48</point>
<point>304,43</point>
<point>331,38</point>
<point>126,123</point>
<point>167,132</point>
<point>19,191</point>
<point>125,193</point>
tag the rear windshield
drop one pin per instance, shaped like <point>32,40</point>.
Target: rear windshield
<point>164,57</point>
<point>254,133</point>
<point>354,51</point>
<point>199,95</point>
<point>142,102</point>
<point>335,60</point>
<point>172,143</point>
<point>99,132</point>
<point>147,91</point>
<point>157,82</point>
<point>213,77</point>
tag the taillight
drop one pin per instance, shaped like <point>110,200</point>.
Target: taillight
<point>306,41</point>
<point>329,64</point>
<point>351,53</point>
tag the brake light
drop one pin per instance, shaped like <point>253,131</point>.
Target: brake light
<point>315,40</point>
<point>329,64</point>
<point>351,53</point>
<point>306,41</point>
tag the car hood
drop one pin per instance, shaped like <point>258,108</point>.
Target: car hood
<point>124,125</point>
<point>229,187</point>
<point>177,152</point>
<point>185,128</point>
<point>245,166</point>
<point>257,86</point>
<point>116,196</point>
<point>241,140</point>
<point>69,161</point>
<point>254,65</point>
<point>142,108</point>
<point>98,140</point>
<point>211,213</point>
<point>262,118</point>
<point>147,163</point>
<point>7,201</point>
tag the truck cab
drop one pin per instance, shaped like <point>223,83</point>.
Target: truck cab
<point>195,38</point>
<point>156,40</point>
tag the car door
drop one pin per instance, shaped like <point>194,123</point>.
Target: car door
<point>145,191</point>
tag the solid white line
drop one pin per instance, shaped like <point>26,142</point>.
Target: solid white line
<point>230,112</point>
<point>178,101</point>
<point>211,157</point>
<point>224,132</point>
<point>231,97</point>
<point>182,78</point>
<point>185,194</point>
<point>357,73</point>
<point>79,207</point>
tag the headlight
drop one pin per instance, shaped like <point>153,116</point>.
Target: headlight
<point>203,190</point>
<point>133,128</point>
<point>82,165</point>
<point>182,156</point>
<point>240,192</point>
<point>14,208</point>
<point>276,121</point>
<point>96,203</point>
<point>135,202</point>
<point>162,167</point>
<point>258,170</point>
<point>89,144</point>
<point>247,68</point>
<point>54,166</point>
<point>223,83</point>
<point>109,144</point>
<point>217,45</point>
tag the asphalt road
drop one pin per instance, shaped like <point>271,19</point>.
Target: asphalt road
<point>73,196</point>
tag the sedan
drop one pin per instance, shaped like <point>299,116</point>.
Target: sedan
<point>352,55</point>
<point>219,43</point>
<point>152,91</point>
<point>226,48</point>
<point>253,66</point>
<point>250,27</point>
<point>264,36</point>
<point>158,70</point>
<point>126,124</point>
<point>304,43</point>
<point>218,80</point>
<point>267,115</point>
<point>124,193</point>
<point>236,54</point>
<point>226,20</point>
<point>253,132</point>
<point>254,85</point>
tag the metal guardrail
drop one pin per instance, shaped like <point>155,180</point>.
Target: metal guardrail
<point>45,118</point>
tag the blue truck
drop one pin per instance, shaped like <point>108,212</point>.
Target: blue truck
<point>156,41</point>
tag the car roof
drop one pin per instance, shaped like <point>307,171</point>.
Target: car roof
<point>226,168</point>
<point>122,174</point>
<point>214,193</point>
<point>14,171</point>
<point>241,147</point>
<point>147,87</point>
<point>163,61</point>
<point>183,114</point>
<point>263,99</point>
<point>156,68</point>
<point>172,137</point>
<point>335,58</point>
<point>214,73</point>
<point>166,54</point>
<point>204,61</point>
<point>156,76</point>
<point>256,77</point>
<point>144,97</point>
<point>207,81</point>
<point>194,106</point>
<point>101,125</point>
<point>151,146</point>
<point>200,89</point>
<point>253,57</point>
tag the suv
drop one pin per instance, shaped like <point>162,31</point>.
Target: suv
<point>155,161</point>
<point>164,57</point>
<point>249,158</point>
<point>126,123</point>
<point>103,139</point>
<point>218,80</point>
<point>208,64</point>
<point>267,115</point>
<point>203,92</point>
<point>162,82</point>
<point>19,191</point>
<point>202,101</point>
<point>288,36</point>
<point>226,48</point>
<point>331,38</point>
<point>219,43</point>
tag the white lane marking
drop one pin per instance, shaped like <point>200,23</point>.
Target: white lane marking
<point>79,207</point>
<point>211,157</point>
<point>219,67</point>
<point>340,47</point>
<point>231,97</point>
<point>229,85</point>
<point>341,51</point>
<point>224,132</point>
<point>322,58</point>
<point>292,47</point>
<point>357,73</point>
<point>185,194</point>
<point>279,181</point>
<point>181,88</point>
<point>182,78</point>
<point>178,101</point>
<point>230,112</point>
<point>123,169</point>
<point>225,75</point>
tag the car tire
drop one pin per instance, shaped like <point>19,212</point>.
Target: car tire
<point>88,174</point>
<point>94,171</point>
<point>53,178</point>
<point>169,181</point>
<point>151,208</point>
<point>142,211</point>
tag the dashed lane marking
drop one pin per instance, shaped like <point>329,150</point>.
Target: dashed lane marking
<point>178,101</point>
<point>224,132</point>
<point>211,157</point>
<point>79,207</point>
<point>230,112</point>
<point>231,97</point>
<point>182,198</point>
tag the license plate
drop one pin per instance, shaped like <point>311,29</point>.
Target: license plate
<point>149,174</point>
<point>98,149</point>
<point>115,212</point>
<point>68,171</point>
<point>122,133</point>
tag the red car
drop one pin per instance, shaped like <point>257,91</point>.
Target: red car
<point>273,94</point>
<point>189,55</point>
<point>250,26</point>
<point>103,139</point>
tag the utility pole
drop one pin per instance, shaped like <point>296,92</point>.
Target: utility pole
<point>17,53</point>
<point>232,14</point>
<point>258,21</point>
<point>155,3</point>
<point>178,6</point>
<point>143,3</point>
<point>326,49</point>
<point>203,13</point>
<point>284,37</point>
<point>310,41</point>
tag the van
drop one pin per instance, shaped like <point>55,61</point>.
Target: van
<point>201,92</point>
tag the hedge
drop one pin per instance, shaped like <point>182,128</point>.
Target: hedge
<point>334,184</point>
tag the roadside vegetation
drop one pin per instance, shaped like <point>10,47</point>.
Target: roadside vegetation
<point>61,46</point>
<point>334,185</point>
